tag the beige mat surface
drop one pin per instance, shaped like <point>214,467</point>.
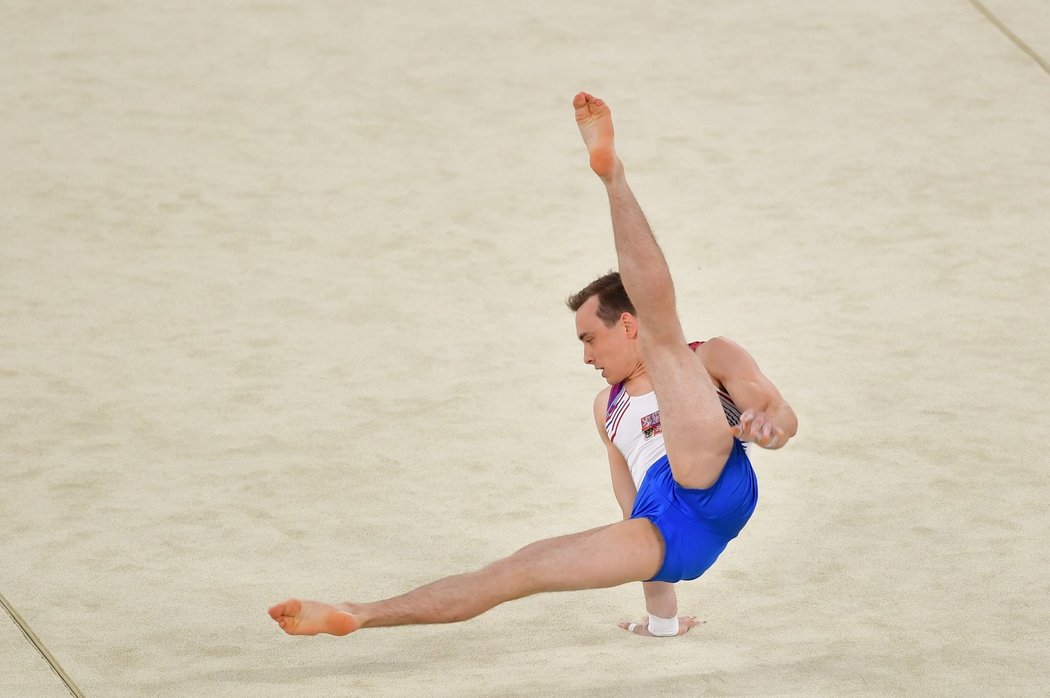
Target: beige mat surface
<point>25,671</point>
<point>1028,22</point>
<point>281,313</point>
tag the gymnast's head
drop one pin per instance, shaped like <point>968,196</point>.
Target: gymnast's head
<point>607,324</point>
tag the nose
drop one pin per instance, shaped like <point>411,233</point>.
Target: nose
<point>587,358</point>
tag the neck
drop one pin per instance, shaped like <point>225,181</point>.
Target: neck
<point>637,381</point>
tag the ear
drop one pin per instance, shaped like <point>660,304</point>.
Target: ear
<point>630,325</point>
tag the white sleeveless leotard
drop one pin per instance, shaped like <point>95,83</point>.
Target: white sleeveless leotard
<point>633,425</point>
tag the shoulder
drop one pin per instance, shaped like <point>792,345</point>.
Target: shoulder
<point>716,346</point>
<point>601,401</point>
<point>722,355</point>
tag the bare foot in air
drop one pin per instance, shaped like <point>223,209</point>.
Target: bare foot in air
<point>595,122</point>
<point>297,617</point>
<point>685,623</point>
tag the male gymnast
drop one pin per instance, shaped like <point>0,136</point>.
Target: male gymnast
<point>681,473</point>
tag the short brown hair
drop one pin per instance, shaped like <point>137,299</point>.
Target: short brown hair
<point>612,298</point>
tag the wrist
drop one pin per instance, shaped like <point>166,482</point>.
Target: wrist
<point>663,627</point>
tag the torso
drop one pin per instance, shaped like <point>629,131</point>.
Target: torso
<point>633,424</point>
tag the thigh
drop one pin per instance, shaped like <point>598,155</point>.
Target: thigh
<point>628,551</point>
<point>694,425</point>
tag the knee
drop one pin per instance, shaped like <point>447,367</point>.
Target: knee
<point>659,337</point>
<point>510,577</point>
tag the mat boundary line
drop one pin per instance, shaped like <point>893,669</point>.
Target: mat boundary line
<point>1018,41</point>
<point>35,641</point>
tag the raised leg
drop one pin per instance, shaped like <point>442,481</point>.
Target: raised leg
<point>624,552</point>
<point>694,427</point>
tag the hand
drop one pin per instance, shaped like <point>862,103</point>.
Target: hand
<point>685,623</point>
<point>757,427</point>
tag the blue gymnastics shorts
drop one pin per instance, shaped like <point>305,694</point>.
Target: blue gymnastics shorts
<point>696,525</point>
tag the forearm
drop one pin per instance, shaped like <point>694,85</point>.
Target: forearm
<point>763,410</point>
<point>660,599</point>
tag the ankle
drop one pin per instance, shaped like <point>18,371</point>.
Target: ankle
<point>357,610</point>
<point>615,179</point>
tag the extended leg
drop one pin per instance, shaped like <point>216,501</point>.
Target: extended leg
<point>694,427</point>
<point>624,552</point>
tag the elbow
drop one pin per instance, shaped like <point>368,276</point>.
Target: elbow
<point>786,419</point>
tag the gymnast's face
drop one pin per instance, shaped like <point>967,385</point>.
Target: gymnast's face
<point>611,350</point>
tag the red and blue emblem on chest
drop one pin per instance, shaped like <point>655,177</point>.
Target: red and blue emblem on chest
<point>651,425</point>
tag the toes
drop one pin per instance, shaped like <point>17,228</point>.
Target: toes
<point>588,101</point>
